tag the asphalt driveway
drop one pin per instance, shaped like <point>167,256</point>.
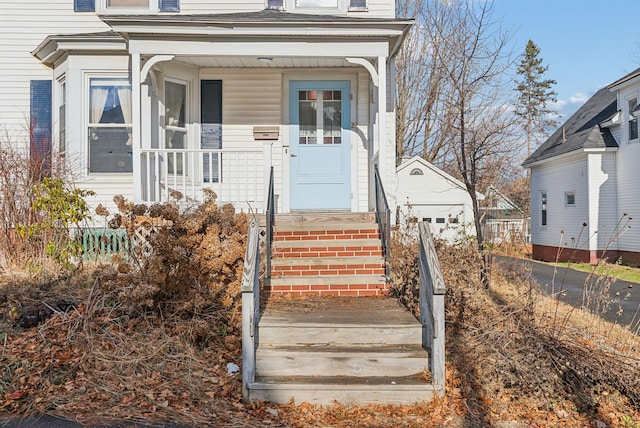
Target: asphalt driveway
<point>575,287</point>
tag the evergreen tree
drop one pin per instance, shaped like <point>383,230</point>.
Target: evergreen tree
<point>535,95</point>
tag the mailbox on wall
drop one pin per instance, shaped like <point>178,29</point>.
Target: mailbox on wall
<point>266,132</point>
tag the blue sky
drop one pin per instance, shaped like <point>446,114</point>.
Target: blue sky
<point>587,44</point>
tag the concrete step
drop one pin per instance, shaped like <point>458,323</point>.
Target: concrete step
<point>327,360</point>
<point>343,389</point>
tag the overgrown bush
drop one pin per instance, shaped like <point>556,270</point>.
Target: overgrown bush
<point>192,255</point>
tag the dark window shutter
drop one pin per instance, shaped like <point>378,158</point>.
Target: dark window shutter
<point>275,4</point>
<point>169,5</point>
<point>40,125</point>
<point>358,4</point>
<point>84,5</point>
<point>211,128</point>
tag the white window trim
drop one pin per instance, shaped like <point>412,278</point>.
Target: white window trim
<point>187,113</point>
<point>541,205</point>
<point>86,122</point>
<point>343,7</point>
<point>566,200</point>
<point>102,8</point>
<point>629,118</point>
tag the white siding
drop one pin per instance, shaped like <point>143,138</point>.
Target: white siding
<point>564,224</point>
<point>629,195</point>
<point>602,200</point>
<point>435,196</point>
<point>23,25</point>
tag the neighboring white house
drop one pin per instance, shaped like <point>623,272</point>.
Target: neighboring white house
<point>140,97</point>
<point>426,193</point>
<point>503,221</point>
<point>584,181</point>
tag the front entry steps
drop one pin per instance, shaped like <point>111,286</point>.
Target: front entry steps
<point>338,254</point>
<point>354,351</point>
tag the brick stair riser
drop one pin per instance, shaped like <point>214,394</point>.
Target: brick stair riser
<point>326,270</point>
<point>328,235</point>
<point>339,290</point>
<point>329,251</point>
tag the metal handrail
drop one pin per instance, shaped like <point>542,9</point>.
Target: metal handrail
<point>250,289</point>
<point>432,292</point>
<point>383,218</point>
<point>270,220</point>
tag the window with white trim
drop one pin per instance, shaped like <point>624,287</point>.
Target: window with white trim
<point>342,5</point>
<point>543,208</point>
<point>115,6</point>
<point>175,113</point>
<point>632,121</point>
<point>569,199</point>
<point>109,128</point>
<point>62,121</point>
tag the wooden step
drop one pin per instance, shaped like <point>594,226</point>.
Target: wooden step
<point>342,389</point>
<point>354,351</point>
<point>328,360</point>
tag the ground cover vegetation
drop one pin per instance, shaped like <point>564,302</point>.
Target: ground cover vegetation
<point>155,336</point>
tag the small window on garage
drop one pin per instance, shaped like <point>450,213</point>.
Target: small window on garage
<point>426,219</point>
<point>453,220</point>
<point>570,199</point>
<point>416,171</point>
<point>440,220</point>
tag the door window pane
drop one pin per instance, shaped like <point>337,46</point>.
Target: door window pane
<point>308,116</point>
<point>320,117</point>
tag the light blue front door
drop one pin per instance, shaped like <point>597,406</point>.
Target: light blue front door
<point>320,146</point>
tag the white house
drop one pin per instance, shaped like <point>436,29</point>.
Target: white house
<point>140,97</point>
<point>503,221</point>
<point>426,193</point>
<point>584,181</point>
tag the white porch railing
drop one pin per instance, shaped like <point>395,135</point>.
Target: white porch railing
<point>237,176</point>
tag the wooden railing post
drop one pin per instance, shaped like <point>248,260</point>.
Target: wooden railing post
<point>250,289</point>
<point>432,291</point>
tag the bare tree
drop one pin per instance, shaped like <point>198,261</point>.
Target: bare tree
<point>420,79</point>
<point>477,117</point>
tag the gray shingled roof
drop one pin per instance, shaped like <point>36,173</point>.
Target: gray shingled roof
<point>266,16</point>
<point>582,129</point>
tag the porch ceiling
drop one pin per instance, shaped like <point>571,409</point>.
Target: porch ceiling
<point>262,62</point>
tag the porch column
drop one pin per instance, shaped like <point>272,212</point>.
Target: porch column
<point>136,128</point>
<point>383,158</point>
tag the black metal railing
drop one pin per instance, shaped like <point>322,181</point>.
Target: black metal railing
<point>270,217</point>
<point>383,218</point>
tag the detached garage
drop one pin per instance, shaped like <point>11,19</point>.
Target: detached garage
<point>426,193</point>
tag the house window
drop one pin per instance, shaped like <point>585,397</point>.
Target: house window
<point>62,117</point>
<point>175,108</point>
<point>416,171</point>
<point>141,5</point>
<point>543,210</point>
<point>316,3</point>
<point>440,220</point>
<point>109,130</point>
<point>570,199</point>
<point>453,220</point>
<point>633,121</point>
<point>342,5</point>
<point>426,219</point>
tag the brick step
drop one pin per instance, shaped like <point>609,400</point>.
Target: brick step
<point>338,285</point>
<point>307,266</point>
<point>333,233</point>
<point>342,248</point>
